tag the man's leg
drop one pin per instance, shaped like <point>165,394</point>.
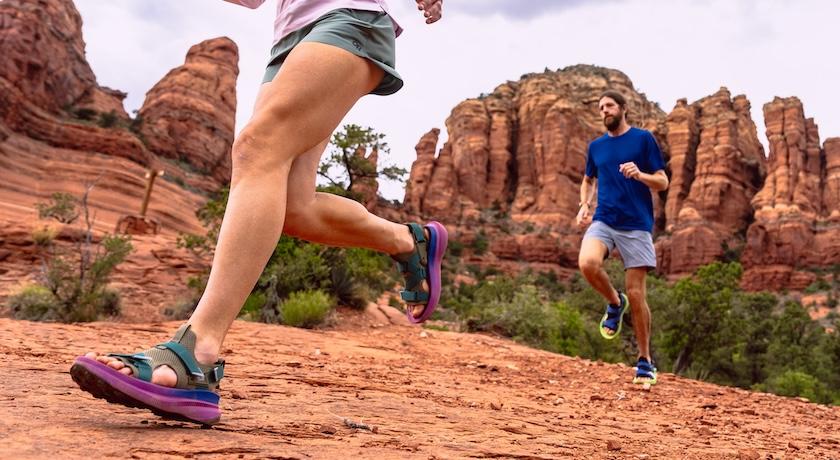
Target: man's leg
<point>637,293</point>
<point>591,262</point>
<point>316,87</point>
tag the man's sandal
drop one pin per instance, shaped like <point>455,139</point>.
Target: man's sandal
<point>645,372</point>
<point>612,318</point>
<point>423,264</point>
<point>193,399</point>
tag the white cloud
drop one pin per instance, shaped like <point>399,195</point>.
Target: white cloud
<point>669,48</point>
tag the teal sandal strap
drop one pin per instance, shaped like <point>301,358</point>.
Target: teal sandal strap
<point>177,354</point>
<point>413,267</point>
<point>139,364</point>
<point>414,296</point>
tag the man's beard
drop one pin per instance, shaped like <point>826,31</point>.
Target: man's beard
<point>612,122</point>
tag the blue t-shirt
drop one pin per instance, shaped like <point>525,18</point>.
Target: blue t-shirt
<point>624,204</point>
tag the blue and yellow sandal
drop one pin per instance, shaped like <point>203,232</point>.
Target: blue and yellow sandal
<point>645,372</point>
<point>612,318</point>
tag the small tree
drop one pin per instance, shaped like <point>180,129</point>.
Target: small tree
<point>343,167</point>
<point>73,285</point>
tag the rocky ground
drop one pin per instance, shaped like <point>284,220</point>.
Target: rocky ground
<point>426,394</point>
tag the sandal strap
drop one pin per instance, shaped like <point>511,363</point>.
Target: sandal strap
<point>178,354</point>
<point>413,265</point>
<point>140,364</point>
<point>613,312</point>
<point>645,369</point>
<point>414,296</point>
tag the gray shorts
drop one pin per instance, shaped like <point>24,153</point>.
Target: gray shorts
<point>635,246</point>
<point>367,34</point>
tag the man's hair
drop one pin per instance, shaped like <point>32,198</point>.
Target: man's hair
<point>616,96</point>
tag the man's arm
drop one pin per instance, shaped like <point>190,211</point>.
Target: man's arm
<point>657,181</point>
<point>587,193</point>
<point>247,3</point>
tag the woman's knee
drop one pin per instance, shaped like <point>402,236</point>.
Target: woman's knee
<point>265,142</point>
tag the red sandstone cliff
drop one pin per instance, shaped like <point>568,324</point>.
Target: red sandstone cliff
<point>717,165</point>
<point>797,214</point>
<point>60,130</point>
<point>189,115</point>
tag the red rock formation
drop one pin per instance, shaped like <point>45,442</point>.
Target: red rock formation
<point>682,138</point>
<point>46,83</point>
<point>362,183</point>
<point>46,147</point>
<point>421,172</point>
<point>44,57</point>
<point>717,165</point>
<point>442,197</point>
<point>793,211</point>
<point>189,115</point>
<point>831,180</point>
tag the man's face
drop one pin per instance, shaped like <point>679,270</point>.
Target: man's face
<point>611,113</point>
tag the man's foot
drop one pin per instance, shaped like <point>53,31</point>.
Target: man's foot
<point>610,325</point>
<point>645,372</point>
<point>166,379</point>
<point>421,268</point>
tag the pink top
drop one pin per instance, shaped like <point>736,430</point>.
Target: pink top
<point>296,14</point>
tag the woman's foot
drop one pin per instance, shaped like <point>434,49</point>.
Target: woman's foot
<point>206,353</point>
<point>169,379</point>
<point>420,264</point>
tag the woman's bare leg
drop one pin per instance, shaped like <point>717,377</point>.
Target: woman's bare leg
<point>315,88</point>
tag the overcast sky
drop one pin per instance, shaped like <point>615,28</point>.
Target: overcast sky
<point>669,48</point>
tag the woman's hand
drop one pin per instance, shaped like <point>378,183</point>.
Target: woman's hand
<point>432,9</point>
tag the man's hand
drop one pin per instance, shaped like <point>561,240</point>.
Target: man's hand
<point>584,216</point>
<point>657,181</point>
<point>630,170</point>
<point>432,9</point>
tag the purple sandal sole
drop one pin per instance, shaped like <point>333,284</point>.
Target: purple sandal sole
<point>438,240</point>
<point>101,381</point>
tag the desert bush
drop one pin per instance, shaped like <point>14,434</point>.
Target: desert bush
<point>305,309</point>
<point>77,279</point>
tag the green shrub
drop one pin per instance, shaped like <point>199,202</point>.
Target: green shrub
<point>44,236</point>
<point>77,281</point>
<point>817,286</point>
<point>305,309</point>
<point>529,319</point>
<point>480,244</point>
<point>39,303</point>
<point>455,248</point>
<point>61,207</point>
<point>34,303</point>
<point>181,310</point>
<point>85,114</point>
<point>108,120</point>
<point>370,272</point>
<point>798,384</point>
